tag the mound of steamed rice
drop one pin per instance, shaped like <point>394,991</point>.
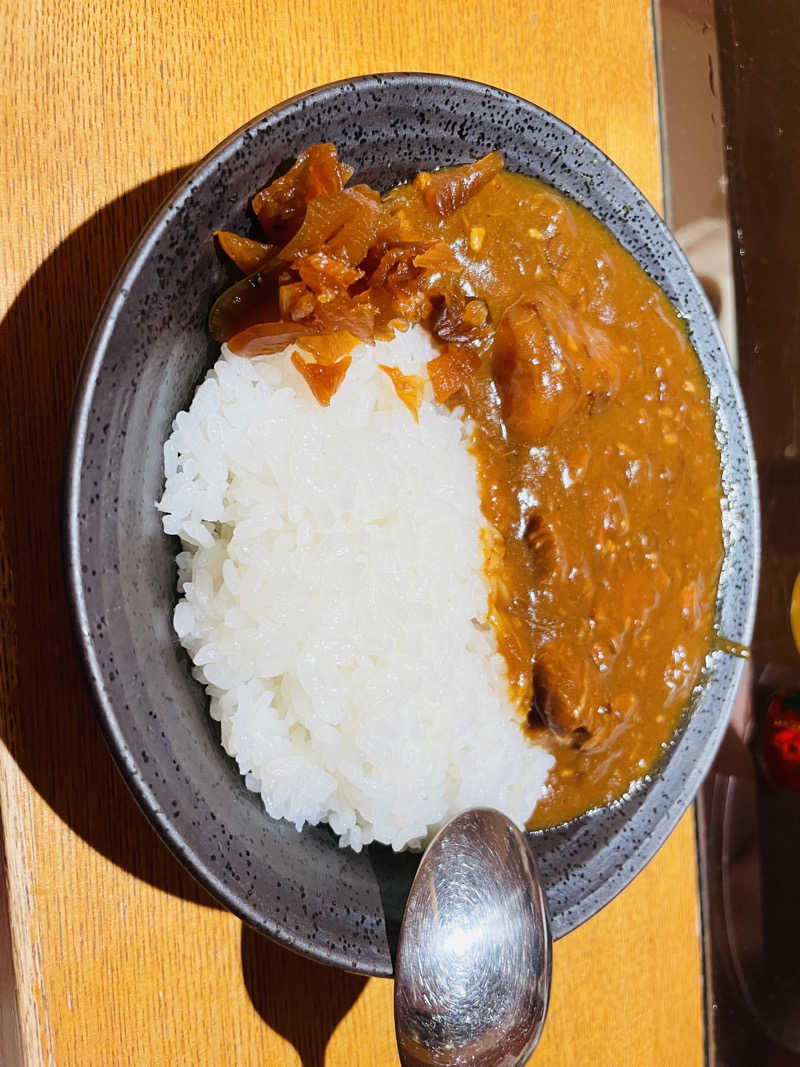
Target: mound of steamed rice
<point>334,599</point>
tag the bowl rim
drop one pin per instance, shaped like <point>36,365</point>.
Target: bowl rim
<point>72,550</point>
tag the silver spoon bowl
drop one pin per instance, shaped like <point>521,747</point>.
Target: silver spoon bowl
<point>474,956</point>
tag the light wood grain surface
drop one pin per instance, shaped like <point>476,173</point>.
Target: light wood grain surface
<point>109,953</point>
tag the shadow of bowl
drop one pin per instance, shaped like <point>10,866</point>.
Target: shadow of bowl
<point>301,1000</point>
<point>46,718</point>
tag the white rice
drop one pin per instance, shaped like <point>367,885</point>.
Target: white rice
<point>334,600</point>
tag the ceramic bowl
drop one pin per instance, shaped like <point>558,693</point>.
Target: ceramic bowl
<point>149,351</point>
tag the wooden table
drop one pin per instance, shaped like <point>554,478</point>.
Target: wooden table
<point>109,953</point>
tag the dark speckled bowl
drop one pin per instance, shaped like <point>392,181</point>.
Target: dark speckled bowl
<point>149,351</point>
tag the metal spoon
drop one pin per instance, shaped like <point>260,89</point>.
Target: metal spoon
<point>474,955</point>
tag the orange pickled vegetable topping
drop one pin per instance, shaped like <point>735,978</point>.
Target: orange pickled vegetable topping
<point>452,370</point>
<point>342,312</point>
<point>409,387</point>
<point>267,338</point>
<point>345,276</point>
<point>399,228</point>
<point>322,272</point>
<point>248,301</point>
<point>248,255</point>
<point>344,226</point>
<point>446,190</point>
<point>323,379</point>
<point>281,206</point>
<point>296,301</point>
<point>396,268</point>
<point>450,321</point>
<point>327,348</point>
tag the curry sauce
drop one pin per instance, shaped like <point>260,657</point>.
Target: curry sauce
<point>591,427</point>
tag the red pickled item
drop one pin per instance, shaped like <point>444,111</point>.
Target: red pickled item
<point>782,740</point>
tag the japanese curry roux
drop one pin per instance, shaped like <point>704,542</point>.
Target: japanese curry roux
<point>608,505</point>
